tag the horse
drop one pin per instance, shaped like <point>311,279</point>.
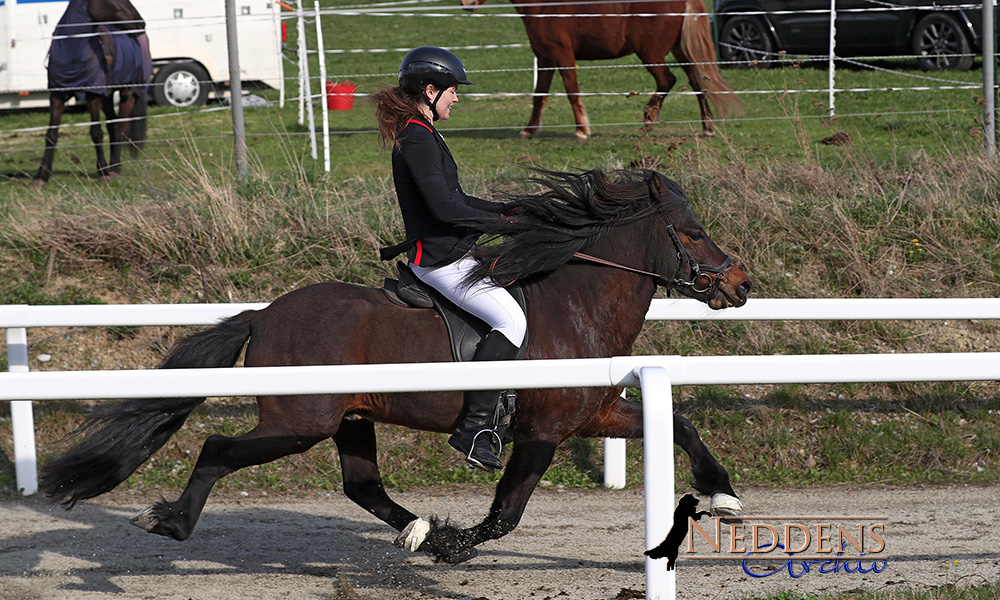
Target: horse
<point>649,29</point>
<point>637,225</point>
<point>99,47</point>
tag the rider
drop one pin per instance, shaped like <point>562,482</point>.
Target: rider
<point>434,206</point>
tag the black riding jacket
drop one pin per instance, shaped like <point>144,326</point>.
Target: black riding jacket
<point>431,199</point>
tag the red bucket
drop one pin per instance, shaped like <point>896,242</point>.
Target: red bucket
<point>340,96</point>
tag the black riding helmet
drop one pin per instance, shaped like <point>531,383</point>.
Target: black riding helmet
<point>431,65</point>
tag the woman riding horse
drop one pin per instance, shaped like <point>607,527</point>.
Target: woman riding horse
<point>439,247</point>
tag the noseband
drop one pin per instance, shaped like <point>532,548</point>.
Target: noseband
<point>705,279</point>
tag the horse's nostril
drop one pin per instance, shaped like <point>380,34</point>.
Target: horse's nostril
<point>745,287</point>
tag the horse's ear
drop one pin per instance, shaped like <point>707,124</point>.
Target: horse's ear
<point>655,182</point>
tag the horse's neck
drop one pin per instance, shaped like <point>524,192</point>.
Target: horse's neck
<point>599,310</point>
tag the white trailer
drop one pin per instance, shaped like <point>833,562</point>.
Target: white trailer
<point>187,39</point>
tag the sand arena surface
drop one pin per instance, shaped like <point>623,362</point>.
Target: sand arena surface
<point>570,544</point>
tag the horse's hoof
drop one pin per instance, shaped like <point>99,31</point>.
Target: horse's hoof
<point>146,519</point>
<point>38,183</point>
<point>581,135</point>
<point>728,507</point>
<point>526,134</point>
<point>413,535</point>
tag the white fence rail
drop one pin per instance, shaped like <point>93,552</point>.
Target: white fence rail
<point>16,318</point>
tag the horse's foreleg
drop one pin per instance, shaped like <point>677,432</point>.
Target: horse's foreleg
<point>220,456</point>
<point>362,480</point>
<point>542,86</point>
<point>94,104</point>
<point>527,464</point>
<point>623,419</point>
<point>57,105</point>
<point>710,478</point>
<point>576,102</point>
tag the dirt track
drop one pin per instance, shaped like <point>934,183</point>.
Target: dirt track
<point>575,545</point>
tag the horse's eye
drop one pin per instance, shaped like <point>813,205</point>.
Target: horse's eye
<point>697,236</point>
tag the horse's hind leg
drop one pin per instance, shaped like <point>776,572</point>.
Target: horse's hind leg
<point>118,126</point>
<point>707,119</point>
<point>362,481</point>
<point>220,456</point>
<point>94,104</point>
<point>57,105</point>
<point>665,81</point>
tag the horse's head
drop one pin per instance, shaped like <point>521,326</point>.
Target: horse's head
<point>702,270</point>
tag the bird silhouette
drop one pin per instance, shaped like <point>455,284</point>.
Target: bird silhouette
<point>678,531</point>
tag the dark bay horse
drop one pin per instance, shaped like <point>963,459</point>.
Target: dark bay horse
<point>99,47</point>
<point>679,26</point>
<point>640,221</point>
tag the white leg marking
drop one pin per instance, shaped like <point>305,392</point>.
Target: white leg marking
<point>413,535</point>
<point>724,505</point>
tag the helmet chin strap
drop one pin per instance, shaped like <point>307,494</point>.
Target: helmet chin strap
<point>433,104</point>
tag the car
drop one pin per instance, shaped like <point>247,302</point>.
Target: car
<point>942,34</point>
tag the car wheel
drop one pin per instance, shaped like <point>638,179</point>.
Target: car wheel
<point>181,84</point>
<point>940,43</point>
<point>745,39</point>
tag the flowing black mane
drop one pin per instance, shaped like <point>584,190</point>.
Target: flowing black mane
<point>570,211</point>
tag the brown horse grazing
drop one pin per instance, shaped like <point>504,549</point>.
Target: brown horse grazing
<point>99,47</point>
<point>679,27</point>
<point>641,221</point>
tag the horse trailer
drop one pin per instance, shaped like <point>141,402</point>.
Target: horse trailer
<point>187,39</point>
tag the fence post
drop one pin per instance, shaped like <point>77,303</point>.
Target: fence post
<point>300,30</point>
<point>989,82</point>
<point>833,49</point>
<point>22,420</point>
<point>614,461</point>
<point>658,475</point>
<point>324,108</point>
<point>236,91</point>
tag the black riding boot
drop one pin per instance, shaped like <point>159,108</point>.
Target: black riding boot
<point>475,434</point>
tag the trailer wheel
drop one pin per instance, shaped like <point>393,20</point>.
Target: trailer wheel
<point>181,84</point>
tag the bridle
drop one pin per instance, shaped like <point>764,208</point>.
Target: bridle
<point>705,279</point>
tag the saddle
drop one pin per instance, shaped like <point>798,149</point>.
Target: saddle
<point>464,330</point>
<point>464,333</point>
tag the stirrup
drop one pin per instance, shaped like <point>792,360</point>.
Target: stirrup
<point>475,462</point>
<point>496,437</point>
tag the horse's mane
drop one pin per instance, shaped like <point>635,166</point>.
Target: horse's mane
<point>569,211</point>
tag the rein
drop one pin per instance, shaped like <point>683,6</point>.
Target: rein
<point>704,278</point>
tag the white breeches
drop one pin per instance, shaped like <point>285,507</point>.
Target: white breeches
<point>483,299</point>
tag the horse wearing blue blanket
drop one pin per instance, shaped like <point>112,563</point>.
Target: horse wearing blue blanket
<point>99,47</point>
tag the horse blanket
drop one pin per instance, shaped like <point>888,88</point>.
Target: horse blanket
<point>96,58</point>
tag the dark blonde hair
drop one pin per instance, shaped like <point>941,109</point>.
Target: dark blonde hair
<point>394,107</point>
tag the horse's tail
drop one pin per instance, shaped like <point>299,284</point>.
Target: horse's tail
<point>137,126</point>
<point>122,437</point>
<point>696,43</point>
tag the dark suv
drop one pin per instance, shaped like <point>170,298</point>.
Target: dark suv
<point>941,37</point>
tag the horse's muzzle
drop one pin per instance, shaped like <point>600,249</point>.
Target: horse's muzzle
<point>733,289</point>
